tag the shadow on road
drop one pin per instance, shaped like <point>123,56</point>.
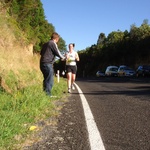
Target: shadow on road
<point>140,86</point>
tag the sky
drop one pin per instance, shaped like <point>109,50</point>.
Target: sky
<point>82,21</point>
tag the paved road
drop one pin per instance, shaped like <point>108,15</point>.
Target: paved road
<point>121,108</point>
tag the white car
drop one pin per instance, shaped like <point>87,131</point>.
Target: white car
<point>126,71</point>
<point>111,71</point>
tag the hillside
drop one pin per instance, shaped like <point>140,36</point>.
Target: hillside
<point>16,55</point>
<point>23,102</point>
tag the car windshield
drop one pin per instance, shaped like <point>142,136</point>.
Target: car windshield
<point>114,69</point>
<point>127,68</point>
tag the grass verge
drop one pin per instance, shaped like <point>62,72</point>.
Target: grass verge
<point>23,107</point>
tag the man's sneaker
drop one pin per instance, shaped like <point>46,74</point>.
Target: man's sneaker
<point>69,90</point>
<point>72,87</point>
<point>52,96</point>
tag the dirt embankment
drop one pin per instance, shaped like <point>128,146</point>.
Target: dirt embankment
<point>17,59</point>
<point>15,56</point>
<point>16,52</point>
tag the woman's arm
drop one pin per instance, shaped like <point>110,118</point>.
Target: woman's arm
<point>77,57</point>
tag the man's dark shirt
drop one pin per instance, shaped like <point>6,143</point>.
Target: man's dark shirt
<point>49,51</point>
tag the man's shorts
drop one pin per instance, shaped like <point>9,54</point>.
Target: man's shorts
<point>72,69</point>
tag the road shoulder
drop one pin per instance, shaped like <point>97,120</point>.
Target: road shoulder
<point>66,131</point>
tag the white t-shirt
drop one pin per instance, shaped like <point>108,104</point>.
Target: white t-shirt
<point>71,58</point>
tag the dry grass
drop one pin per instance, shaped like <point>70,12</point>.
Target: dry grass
<point>15,55</point>
<point>20,61</point>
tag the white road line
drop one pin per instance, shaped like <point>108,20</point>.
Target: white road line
<point>95,139</point>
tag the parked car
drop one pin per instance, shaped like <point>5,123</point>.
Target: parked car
<point>111,71</point>
<point>100,74</point>
<point>143,70</point>
<point>125,71</point>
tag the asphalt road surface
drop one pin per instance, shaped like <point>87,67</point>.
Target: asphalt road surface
<point>121,110</point>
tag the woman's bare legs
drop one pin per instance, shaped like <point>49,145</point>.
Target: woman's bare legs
<point>70,81</point>
<point>69,78</point>
<point>73,80</point>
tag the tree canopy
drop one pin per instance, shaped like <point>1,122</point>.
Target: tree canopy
<point>130,48</point>
<point>30,18</point>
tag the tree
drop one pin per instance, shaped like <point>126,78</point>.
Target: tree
<point>101,38</point>
<point>30,18</point>
<point>140,33</point>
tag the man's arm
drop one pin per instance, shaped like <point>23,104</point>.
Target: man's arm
<point>57,52</point>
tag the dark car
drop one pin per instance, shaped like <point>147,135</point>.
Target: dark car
<point>143,70</point>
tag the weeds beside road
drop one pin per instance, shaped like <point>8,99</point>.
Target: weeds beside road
<point>22,108</point>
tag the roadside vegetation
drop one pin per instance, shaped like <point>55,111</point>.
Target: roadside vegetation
<point>28,16</point>
<point>22,108</point>
<point>22,100</point>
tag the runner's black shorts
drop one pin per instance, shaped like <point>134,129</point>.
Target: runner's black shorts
<point>72,69</point>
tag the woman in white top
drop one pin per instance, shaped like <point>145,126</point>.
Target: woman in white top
<point>71,67</point>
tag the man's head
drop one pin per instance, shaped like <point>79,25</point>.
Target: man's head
<point>55,37</point>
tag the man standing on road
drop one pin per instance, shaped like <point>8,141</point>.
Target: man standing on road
<point>48,53</point>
